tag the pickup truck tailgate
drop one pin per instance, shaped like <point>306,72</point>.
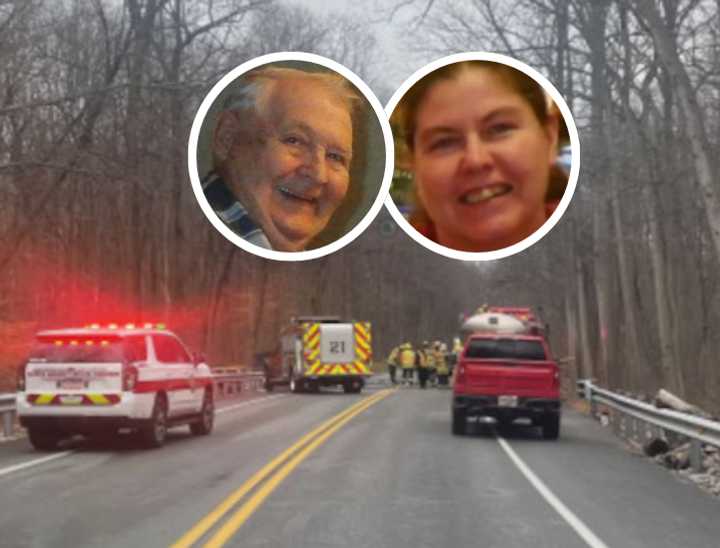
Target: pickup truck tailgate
<point>513,378</point>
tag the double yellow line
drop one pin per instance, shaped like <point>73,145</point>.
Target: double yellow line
<point>301,449</point>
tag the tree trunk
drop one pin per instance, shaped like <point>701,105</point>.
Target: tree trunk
<point>693,125</point>
<point>586,363</point>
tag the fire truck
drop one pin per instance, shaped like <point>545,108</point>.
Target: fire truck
<point>318,351</point>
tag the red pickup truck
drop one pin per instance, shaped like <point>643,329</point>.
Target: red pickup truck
<point>505,377</point>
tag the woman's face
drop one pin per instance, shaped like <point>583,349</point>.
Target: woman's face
<point>482,161</point>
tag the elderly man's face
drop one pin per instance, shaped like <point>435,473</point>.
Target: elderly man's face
<point>295,173</point>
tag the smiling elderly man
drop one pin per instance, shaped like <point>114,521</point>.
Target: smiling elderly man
<point>282,147</point>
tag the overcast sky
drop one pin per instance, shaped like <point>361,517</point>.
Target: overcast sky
<point>375,14</point>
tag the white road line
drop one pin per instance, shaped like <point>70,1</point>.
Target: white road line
<point>251,402</point>
<point>580,528</point>
<point>35,462</point>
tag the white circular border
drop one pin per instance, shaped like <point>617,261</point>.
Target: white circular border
<point>195,178</point>
<point>574,167</point>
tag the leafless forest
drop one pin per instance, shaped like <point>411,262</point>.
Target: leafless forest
<point>98,220</point>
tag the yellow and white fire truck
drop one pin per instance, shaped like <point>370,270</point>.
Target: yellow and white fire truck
<point>320,351</point>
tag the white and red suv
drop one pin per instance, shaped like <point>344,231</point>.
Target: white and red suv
<point>98,380</point>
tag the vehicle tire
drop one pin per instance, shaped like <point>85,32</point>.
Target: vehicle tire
<point>296,386</point>
<point>459,422</point>
<point>154,433</point>
<point>207,417</point>
<point>551,426</point>
<point>352,387</point>
<point>44,440</point>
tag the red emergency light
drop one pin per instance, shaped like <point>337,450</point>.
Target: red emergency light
<point>74,342</point>
<point>130,325</point>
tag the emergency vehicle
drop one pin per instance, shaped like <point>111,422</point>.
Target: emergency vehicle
<point>506,372</point>
<point>97,380</point>
<point>320,351</point>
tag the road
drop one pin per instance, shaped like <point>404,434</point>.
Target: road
<point>386,473</point>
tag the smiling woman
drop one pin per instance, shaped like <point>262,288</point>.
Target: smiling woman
<point>482,144</point>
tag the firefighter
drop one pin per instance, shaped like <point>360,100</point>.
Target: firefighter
<point>407,363</point>
<point>441,368</point>
<point>392,362</point>
<point>455,354</point>
<point>432,362</point>
<point>425,362</point>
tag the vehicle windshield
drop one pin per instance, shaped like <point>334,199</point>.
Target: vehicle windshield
<point>77,350</point>
<point>508,349</point>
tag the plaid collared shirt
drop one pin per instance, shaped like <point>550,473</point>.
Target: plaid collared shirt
<point>232,212</point>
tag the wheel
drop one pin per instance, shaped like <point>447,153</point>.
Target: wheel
<point>268,384</point>
<point>296,386</point>
<point>154,433</point>
<point>207,417</point>
<point>44,440</point>
<point>352,387</point>
<point>551,426</point>
<point>459,422</point>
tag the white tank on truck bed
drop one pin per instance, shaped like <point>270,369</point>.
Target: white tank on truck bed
<point>493,322</point>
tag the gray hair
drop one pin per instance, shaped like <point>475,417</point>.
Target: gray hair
<point>250,91</point>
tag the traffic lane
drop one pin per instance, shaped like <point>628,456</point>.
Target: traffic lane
<point>629,500</point>
<point>397,477</point>
<point>19,451</point>
<point>124,496</point>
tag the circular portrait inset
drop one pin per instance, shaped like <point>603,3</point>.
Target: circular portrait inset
<point>486,156</point>
<point>287,156</point>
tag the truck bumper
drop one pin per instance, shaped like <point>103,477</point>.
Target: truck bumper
<point>334,380</point>
<point>487,406</point>
<point>80,424</point>
<point>132,411</point>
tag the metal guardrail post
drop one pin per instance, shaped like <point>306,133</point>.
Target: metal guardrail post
<point>8,423</point>
<point>696,456</point>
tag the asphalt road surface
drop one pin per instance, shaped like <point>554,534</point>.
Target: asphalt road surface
<point>382,470</point>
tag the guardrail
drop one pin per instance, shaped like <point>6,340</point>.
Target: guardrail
<point>7,410</point>
<point>697,429</point>
<point>228,382</point>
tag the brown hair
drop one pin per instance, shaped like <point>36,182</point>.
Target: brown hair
<point>518,81</point>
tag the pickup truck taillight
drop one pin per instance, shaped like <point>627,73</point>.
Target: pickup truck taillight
<point>460,377</point>
<point>130,376</point>
<point>21,377</point>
